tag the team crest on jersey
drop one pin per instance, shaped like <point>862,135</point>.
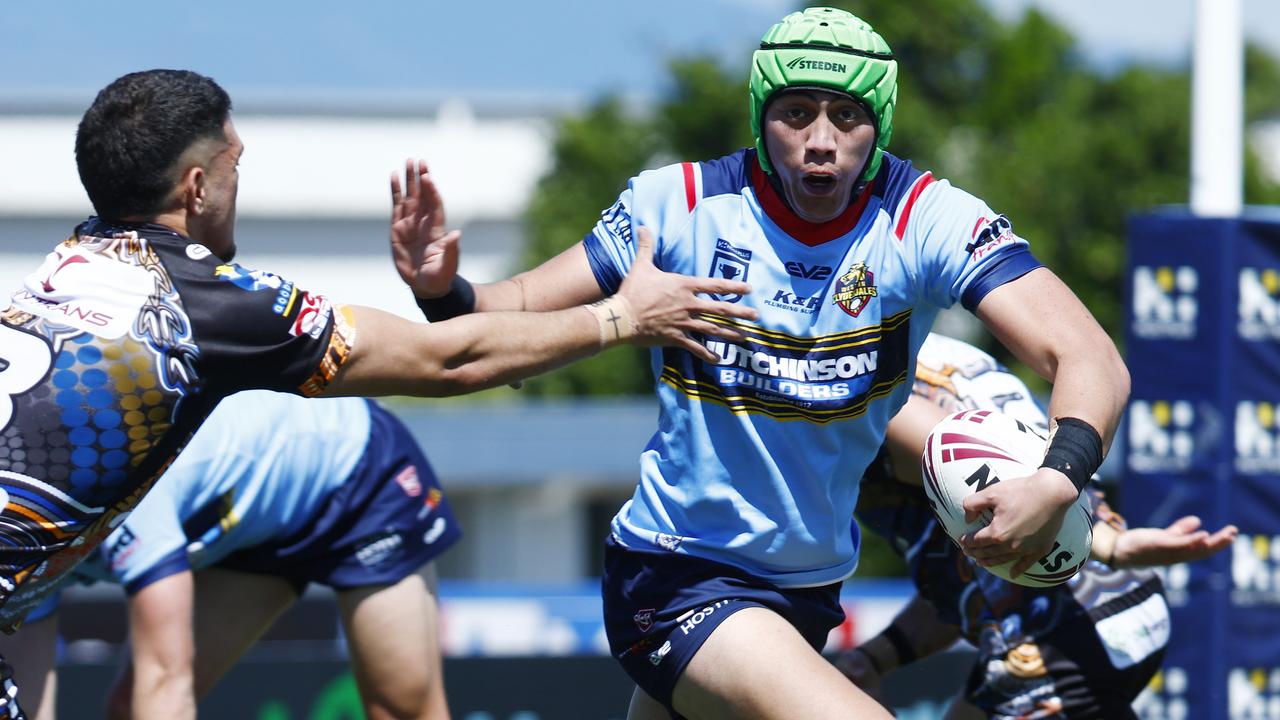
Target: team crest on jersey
<point>855,288</point>
<point>730,263</point>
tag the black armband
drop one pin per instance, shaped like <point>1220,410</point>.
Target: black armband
<point>1075,450</point>
<point>901,645</point>
<point>460,300</point>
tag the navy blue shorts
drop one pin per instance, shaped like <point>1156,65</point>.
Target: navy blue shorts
<point>660,607</point>
<point>389,519</point>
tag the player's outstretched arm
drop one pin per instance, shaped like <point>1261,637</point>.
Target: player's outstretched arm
<point>163,651</point>
<point>1183,541</point>
<point>1043,323</point>
<point>391,355</point>
<point>425,255</point>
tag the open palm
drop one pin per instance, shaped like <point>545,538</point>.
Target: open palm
<point>424,253</point>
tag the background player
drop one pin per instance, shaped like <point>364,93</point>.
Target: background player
<point>134,328</point>
<point>275,492</point>
<point>738,535</point>
<point>1084,649</point>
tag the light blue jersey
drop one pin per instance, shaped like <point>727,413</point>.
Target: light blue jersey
<point>260,468</point>
<point>757,458</point>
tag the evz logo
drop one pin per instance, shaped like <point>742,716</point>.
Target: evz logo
<point>1259,304</point>
<point>808,272</point>
<point>1161,435</point>
<point>1164,302</point>
<point>730,263</point>
<point>1257,437</point>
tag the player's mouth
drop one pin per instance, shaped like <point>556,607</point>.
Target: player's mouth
<point>819,183</point>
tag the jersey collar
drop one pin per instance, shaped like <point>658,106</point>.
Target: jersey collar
<point>803,231</point>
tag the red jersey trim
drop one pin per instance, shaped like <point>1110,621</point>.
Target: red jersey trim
<point>690,185</point>
<point>803,231</point>
<point>922,182</point>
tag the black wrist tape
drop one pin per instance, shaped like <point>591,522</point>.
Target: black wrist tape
<point>901,645</point>
<point>460,300</point>
<point>1075,450</point>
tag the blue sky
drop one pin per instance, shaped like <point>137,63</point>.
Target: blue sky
<point>540,48</point>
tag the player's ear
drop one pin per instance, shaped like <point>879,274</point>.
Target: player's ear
<point>190,192</point>
<point>196,179</point>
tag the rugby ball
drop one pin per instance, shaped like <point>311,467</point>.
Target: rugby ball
<point>975,449</point>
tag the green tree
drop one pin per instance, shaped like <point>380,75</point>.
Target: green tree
<point>593,155</point>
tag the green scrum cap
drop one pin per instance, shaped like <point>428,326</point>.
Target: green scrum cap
<point>826,48</point>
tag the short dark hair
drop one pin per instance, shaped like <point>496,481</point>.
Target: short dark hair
<point>134,132</point>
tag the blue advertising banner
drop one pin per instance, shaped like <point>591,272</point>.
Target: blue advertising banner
<point>1203,438</point>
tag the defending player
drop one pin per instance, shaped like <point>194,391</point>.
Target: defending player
<point>723,571</point>
<point>135,327</point>
<point>275,492</point>
<point>1080,651</point>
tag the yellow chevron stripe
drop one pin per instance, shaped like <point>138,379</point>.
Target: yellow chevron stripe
<point>890,323</point>
<point>708,392</point>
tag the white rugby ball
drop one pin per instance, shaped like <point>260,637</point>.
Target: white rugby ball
<point>971,450</point>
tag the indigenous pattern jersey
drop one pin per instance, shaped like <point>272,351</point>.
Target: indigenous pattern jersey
<point>1126,606</point>
<point>114,351</point>
<point>259,469</point>
<point>753,461</point>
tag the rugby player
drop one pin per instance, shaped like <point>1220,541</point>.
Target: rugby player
<point>1078,651</point>
<point>722,573</point>
<point>272,493</point>
<point>121,343</point>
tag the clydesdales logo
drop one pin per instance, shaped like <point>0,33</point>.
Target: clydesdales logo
<point>855,289</point>
<point>644,620</point>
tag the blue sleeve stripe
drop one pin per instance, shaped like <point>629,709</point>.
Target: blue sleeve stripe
<point>1009,268</point>
<point>607,275</point>
<point>171,564</point>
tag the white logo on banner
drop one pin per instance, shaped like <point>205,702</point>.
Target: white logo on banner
<point>1253,693</point>
<point>1175,579</point>
<point>1255,570</point>
<point>1160,435</point>
<point>1164,302</point>
<point>1257,437</point>
<point>1165,697</point>
<point>1259,304</point>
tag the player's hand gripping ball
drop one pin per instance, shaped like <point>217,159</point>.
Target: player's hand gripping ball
<point>971,450</point>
